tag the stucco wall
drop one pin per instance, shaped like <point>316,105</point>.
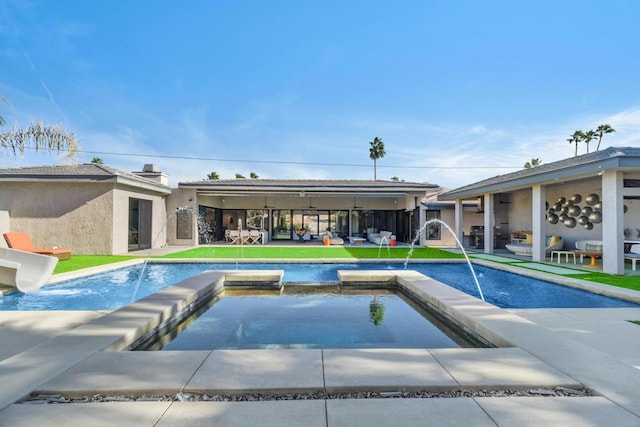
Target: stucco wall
<point>77,216</point>
<point>121,218</point>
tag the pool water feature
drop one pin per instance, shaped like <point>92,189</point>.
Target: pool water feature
<point>311,317</point>
<point>112,290</point>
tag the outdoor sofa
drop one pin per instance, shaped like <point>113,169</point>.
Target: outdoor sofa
<point>553,243</point>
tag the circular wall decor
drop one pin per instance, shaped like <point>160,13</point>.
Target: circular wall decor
<point>595,217</point>
<point>562,200</point>
<point>592,199</point>
<point>553,218</point>
<point>597,207</point>
<point>562,217</point>
<point>576,198</point>
<point>557,207</point>
<point>587,210</point>
<point>583,220</point>
<point>574,210</point>
<point>546,205</point>
<point>570,222</point>
<point>588,226</point>
<point>624,208</point>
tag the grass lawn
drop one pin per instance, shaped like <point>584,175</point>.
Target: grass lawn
<point>78,262</point>
<point>310,252</point>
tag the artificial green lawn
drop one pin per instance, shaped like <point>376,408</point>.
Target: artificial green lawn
<point>310,252</point>
<point>78,262</point>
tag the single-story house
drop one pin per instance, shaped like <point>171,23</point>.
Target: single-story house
<point>594,196</point>
<point>349,208</point>
<point>88,208</point>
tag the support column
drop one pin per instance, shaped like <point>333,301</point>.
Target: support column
<point>612,222</point>
<point>538,222</point>
<point>422,230</point>
<point>488,223</point>
<point>458,226</point>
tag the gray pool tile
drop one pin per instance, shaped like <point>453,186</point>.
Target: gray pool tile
<point>135,372</point>
<point>406,413</point>
<point>557,411</point>
<point>281,413</point>
<point>238,371</point>
<point>384,369</point>
<point>84,414</point>
<point>495,368</point>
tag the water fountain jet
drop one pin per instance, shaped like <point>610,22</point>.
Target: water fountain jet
<point>422,229</point>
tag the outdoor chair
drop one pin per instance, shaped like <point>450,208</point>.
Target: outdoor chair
<point>244,237</point>
<point>22,242</point>
<point>633,255</point>
<point>255,237</point>
<point>234,237</point>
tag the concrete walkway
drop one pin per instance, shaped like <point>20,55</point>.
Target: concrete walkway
<point>539,350</point>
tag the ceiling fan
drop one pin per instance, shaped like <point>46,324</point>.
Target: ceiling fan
<point>265,204</point>
<point>355,206</point>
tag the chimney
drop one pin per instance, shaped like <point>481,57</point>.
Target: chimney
<point>152,172</point>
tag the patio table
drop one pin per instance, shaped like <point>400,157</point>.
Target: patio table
<point>593,256</point>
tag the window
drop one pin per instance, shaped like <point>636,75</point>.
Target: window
<point>434,229</point>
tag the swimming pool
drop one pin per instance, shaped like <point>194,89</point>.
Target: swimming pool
<point>114,289</point>
<point>308,317</point>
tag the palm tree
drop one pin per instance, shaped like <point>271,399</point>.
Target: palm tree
<point>600,131</point>
<point>97,161</point>
<point>533,163</point>
<point>213,176</point>
<point>37,136</point>
<point>395,179</point>
<point>576,138</point>
<point>253,175</point>
<point>588,137</point>
<point>376,152</point>
<point>239,176</point>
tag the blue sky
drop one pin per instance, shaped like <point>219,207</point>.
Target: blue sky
<point>458,90</point>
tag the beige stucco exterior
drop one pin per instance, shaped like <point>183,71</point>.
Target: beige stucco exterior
<point>89,218</point>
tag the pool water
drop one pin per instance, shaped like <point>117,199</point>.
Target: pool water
<point>379,319</point>
<point>112,290</point>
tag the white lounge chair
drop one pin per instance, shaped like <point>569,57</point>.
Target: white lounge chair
<point>245,238</point>
<point>633,255</point>
<point>25,271</point>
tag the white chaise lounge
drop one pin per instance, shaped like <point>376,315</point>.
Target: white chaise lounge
<point>633,255</point>
<point>25,271</point>
<point>554,243</point>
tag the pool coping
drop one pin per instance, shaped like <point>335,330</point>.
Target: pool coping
<point>595,370</point>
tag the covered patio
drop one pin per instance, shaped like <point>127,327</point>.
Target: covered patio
<point>296,210</point>
<point>594,197</point>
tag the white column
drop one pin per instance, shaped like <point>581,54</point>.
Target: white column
<point>538,222</point>
<point>612,222</point>
<point>422,230</point>
<point>488,223</point>
<point>458,226</point>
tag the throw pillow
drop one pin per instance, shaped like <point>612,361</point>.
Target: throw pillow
<point>529,240</point>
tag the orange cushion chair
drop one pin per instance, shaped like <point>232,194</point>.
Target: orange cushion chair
<point>22,242</point>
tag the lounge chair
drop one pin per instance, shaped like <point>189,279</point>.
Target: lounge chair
<point>25,271</point>
<point>22,242</point>
<point>633,255</point>
<point>554,243</point>
<point>234,237</point>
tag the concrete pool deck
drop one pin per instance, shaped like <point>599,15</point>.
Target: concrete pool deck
<point>72,354</point>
